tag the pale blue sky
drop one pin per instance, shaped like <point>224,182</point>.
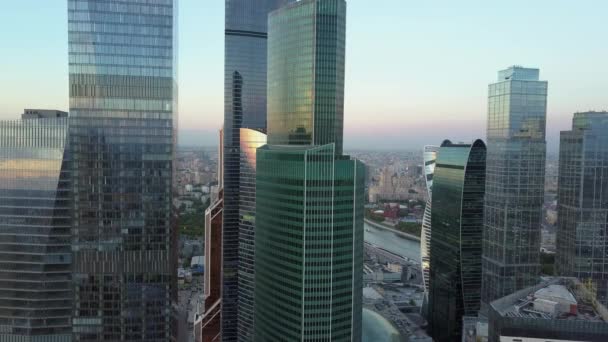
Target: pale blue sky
<point>417,71</point>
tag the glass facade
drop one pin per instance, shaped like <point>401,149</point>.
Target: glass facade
<point>509,318</point>
<point>430,156</point>
<point>244,107</point>
<point>309,197</point>
<point>307,42</point>
<point>582,239</point>
<point>457,229</point>
<point>123,116</point>
<point>517,106</point>
<point>35,254</point>
<point>309,245</point>
<point>250,141</point>
<point>210,322</point>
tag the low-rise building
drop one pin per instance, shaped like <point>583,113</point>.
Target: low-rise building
<point>560,309</point>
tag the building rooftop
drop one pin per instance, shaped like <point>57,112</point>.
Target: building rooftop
<point>197,260</point>
<point>371,293</point>
<point>43,114</point>
<point>520,73</point>
<point>555,298</point>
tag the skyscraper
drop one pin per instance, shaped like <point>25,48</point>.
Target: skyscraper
<point>35,254</point>
<point>244,107</point>
<point>457,229</point>
<point>207,327</point>
<point>306,74</point>
<point>430,156</point>
<point>582,239</point>
<point>309,197</point>
<point>250,140</point>
<point>517,106</point>
<point>123,116</point>
<point>210,326</point>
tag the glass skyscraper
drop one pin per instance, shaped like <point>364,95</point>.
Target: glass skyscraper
<point>210,322</point>
<point>246,23</point>
<point>582,239</point>
<point>207,327</point>
<point>457,229</point>
<point>123,116</point>
<point>308,45</point>
<point>309,245</point>
<point>430,157</point>
<point>309,197</point>
<point>35,254</point>
<point>517,108</point>
<point>250,140</point>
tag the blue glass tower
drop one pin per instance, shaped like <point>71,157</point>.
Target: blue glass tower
<point>123,116</point>
<point>582,242</point>
<point>515,182</point>
<point>35,254</point>
<point>245,63</point>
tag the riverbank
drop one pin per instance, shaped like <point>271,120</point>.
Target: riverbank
<point>385,227</point>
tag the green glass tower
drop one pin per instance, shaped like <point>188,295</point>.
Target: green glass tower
<point>456,239</point>
<point>309,243</point>
<point>306,73</point>
<point>309,196</point>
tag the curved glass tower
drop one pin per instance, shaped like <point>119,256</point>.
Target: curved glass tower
<point>430,156</point>
<point>123,122</point>
<point>457,220</point>
<point>35,254</point>
<point>245,36</point>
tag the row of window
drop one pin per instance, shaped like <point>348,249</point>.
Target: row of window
<point>125,18</point>
<point>116,39</point>
<point>113,49</point>
<point>148,7</point>
<point>126,29</point>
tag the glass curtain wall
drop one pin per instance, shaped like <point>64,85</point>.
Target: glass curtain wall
<point>123,115</point>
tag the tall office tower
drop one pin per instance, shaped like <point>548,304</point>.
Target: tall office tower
<point>123,116</point>
<point>250,140</point>
<point>430,156</point>
<point>244,107</point>
<point>515,182</point>
<point>35,254</point>
<point>207,327</point>
<point>309,197</point>
<point>306,74</point>
<point>457,220</point>
<point>582,242</point>
<point>210,326</point>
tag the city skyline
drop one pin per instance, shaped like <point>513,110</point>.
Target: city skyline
<point>325,211</point>
<point>455,109</point>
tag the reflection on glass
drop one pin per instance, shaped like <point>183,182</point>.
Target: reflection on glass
<point>456,239</point>
<point>123,116</point>
<point>34,231</point>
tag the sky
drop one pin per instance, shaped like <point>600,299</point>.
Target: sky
<point>416,71</point>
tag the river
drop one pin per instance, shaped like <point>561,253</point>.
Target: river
<point>392,242</point>
<point>375,327</point>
